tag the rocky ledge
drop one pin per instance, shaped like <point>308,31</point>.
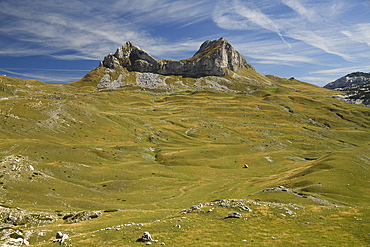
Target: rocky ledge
<point>214,58</point>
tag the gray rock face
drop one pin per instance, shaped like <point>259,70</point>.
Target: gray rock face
<point>214,58</point>
<point>108,83</point>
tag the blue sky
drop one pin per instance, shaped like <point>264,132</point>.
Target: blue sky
<point>58,41</point>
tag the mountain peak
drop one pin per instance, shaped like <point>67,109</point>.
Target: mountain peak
<point>214,58</point>
<point>211,43</point>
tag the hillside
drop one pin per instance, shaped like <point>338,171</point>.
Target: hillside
<point>174,155</point>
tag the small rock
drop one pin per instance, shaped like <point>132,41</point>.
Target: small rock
<point>245,166</point>
<point>60,237</point>
<point>146,237</point>
<point>234,215</point>
<point>195,207</point>
<point>290,212</point>
<point>245,208</point>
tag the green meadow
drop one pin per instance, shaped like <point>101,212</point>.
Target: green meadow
<point>132,160</point>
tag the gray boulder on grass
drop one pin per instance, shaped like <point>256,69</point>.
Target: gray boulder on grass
<point>234,215</point>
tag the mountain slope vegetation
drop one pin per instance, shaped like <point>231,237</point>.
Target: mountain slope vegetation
<point>106,164</point>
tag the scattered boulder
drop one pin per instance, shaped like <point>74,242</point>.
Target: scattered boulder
<point>12,220</point>
<point>234,215</point>
<point>146,237</point>
<point>245,166</point>
<point>59,235</point>
<point>193,208</point>
<point>197,207</point>
<point>82,216</point>
<point>10,237</point>
<point>245,208</point>
<point>60,238</point>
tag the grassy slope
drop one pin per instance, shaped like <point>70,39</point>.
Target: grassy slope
<point>151,155</point>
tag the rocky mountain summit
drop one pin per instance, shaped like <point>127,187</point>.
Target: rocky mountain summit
<point>356,86</point>
<point>216,66</point>
<point>214,58</point>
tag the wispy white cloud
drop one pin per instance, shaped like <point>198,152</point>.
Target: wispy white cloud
<point>259,18</point>
<point>239,15</point>
<point>226,17</point>
<point>319,39</point>
<point>91,30</point>
<point>162,11</point>
<point>273,52</point>
<point>49,75</point>
<point>359,33</point>
<point>317,24</point>
<point>342,71</point>
<point>317,80</point>
<point>305,12</point>
<point>324,76</point>
<point>268,32</point>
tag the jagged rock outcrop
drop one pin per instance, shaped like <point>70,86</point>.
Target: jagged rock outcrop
<point>214,58</point>
<point>356,85</point>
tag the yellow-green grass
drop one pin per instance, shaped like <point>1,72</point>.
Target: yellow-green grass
<point>268,224</point>
<point>149,155</point>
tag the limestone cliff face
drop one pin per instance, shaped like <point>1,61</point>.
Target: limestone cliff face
<point>214,58</point>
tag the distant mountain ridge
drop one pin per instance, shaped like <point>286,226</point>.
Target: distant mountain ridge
<point>352,80</point>
<point>356,85</point>
<point>214,58</point>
